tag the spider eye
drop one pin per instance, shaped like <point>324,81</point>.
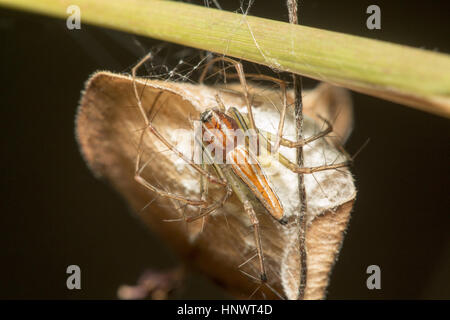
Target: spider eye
<point>206,116</point>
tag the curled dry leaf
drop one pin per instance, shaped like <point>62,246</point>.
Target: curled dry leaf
<point>109,127</point>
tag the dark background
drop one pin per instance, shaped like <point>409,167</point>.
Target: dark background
<point>55,213</point>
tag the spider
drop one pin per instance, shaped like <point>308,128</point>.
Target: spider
<point>239,170</point>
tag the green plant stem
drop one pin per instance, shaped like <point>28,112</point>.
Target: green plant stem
<point>410,76</point>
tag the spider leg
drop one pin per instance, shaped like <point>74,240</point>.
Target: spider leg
<point>159,136</point>
<point>240,71</point>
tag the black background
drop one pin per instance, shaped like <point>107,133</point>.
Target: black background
<point>55,213</point>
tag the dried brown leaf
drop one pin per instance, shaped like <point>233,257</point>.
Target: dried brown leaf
<point>108,130</point>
